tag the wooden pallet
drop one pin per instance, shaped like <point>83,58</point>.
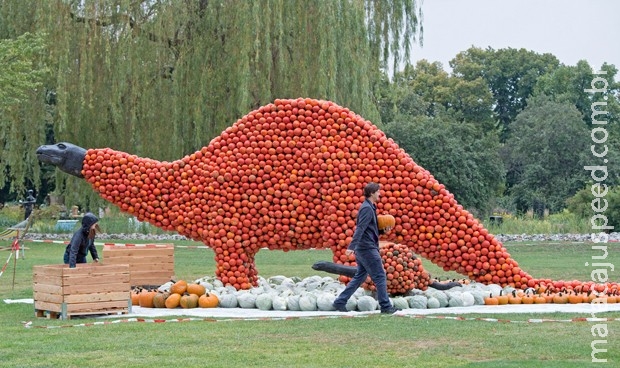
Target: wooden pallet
<point>149,264</point>
<point>88,289</point>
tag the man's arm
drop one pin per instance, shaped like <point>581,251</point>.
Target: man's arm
<point>364,218</point>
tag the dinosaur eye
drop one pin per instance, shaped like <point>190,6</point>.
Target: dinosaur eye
<point>61,145</point>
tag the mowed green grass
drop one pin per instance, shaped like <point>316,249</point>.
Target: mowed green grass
<point>373,341</point>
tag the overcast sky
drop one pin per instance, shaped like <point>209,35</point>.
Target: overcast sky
<point>571,30</point>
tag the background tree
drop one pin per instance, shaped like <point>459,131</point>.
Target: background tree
<point>427,90</point>
<point>510,75</point>
<point>569,84</point>
<point>457,155</point>
<point>545,154</point>
<point>22,107</point>
<point>446,124</point>
<point>581,204</point>
<point>162,78</point>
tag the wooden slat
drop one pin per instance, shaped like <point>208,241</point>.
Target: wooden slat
<point>125,277</point>
<point>44,288</point>
<point>48,280</point>
<point>149,281</point>
<point>100,307</point>
<point>151,268</point>
<point>112,311</point>
<point>138,252</point>
<point>45,297</point>
<point>133,260</point>
<point>52,307</point>
<point>94,270</point>
<point>98,298</point>
<point>48,270</point>
<point>165,273</point>
<point>102,288</point>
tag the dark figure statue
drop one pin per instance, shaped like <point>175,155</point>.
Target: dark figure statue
<point>28,204</point>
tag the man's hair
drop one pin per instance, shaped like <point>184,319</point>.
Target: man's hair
<point>370,189</point>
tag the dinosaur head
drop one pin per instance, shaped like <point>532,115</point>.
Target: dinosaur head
<point>66,156</point>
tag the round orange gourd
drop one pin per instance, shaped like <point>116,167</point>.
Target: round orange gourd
<point>159,300</point>
<point>179,287</point>
<point>135,297</point>
<point>189,301</point>
<point>540,300</point>
<point>491,300</point>
<point>146,299</point>
<point>196,289</point>
<point>173,301</point>
<point>384,221</point>
<point>514,298</point>
<point>208,300</point>
<point>575,298</point>
<point>527,299</point>
<point>502,299</point>
<point>560,298</point>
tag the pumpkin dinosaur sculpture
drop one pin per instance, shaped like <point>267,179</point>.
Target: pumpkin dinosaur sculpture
<point>288,176</point>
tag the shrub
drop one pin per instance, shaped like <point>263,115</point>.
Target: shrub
<point>581,204</point>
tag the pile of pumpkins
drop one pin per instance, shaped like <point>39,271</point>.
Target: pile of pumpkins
<point>181,294</point>
<point>531,296</point>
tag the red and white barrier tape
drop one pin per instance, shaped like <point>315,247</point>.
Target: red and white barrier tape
<point>29,324</point>
<point>530,320</point>
<point>65,242</point>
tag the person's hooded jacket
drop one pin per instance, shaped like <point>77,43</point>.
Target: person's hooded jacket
<point>80,244</point>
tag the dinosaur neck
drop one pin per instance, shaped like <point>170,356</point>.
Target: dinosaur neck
<point>153,191</point>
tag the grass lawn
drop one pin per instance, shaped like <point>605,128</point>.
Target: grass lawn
<point>373,341</point>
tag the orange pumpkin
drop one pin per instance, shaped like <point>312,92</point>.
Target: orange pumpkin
<point>560,298</point>
<point>491,300</point>
<point>197,289</point>
<point>540,300</point>
<point>208,300</point>
<point>514,298</point>
<point>173,301</point>
<point>575,298</point>
<point>189,301</point>
<point>502,299</point>
<point>159,300</point>
<point>179,287</point>
<point>135,297</point>
<point>385,221</point>
<point>146,299</point>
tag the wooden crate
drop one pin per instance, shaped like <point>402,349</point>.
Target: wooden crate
<point>87,289</point>
<point>149,264</point>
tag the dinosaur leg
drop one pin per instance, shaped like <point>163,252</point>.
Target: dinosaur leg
<point>236,268</point>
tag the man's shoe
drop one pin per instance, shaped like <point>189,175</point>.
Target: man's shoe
<point>390,310</point>
<point>340,308</point>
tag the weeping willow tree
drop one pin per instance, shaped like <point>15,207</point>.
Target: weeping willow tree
<point>161,78</point>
